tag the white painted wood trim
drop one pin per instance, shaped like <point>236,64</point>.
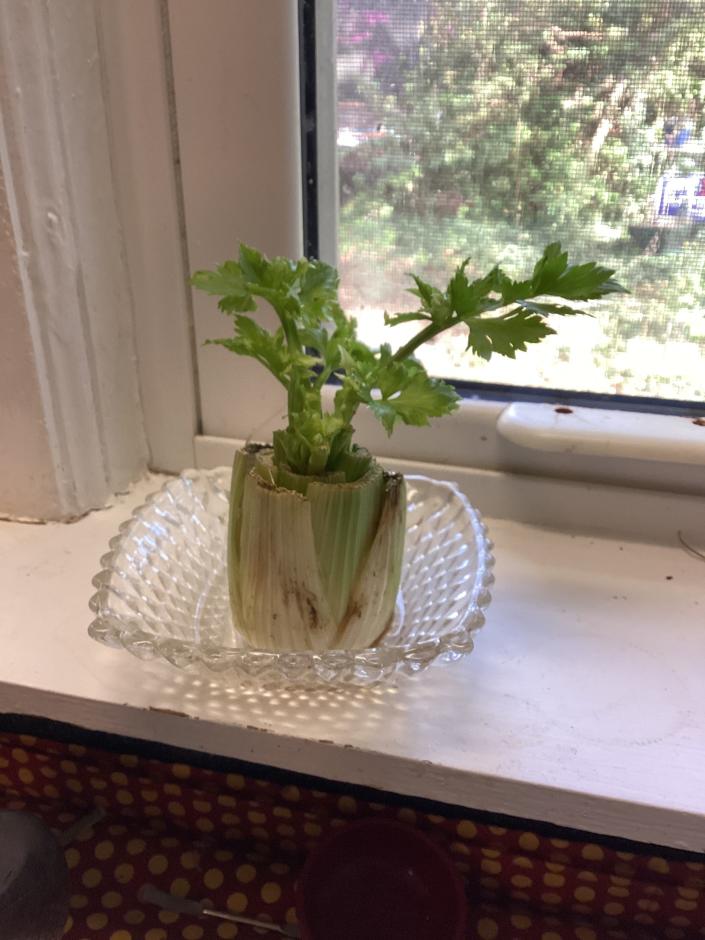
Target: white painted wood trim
<point>135,46</point>
<point>236,81</point>
<point>28,485</point>
<point>343,762</point>
<point>55,153</point>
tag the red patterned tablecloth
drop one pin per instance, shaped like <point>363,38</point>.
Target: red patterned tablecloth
<point>240,841</point>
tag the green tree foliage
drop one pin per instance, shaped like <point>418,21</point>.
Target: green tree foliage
<point>547,112</point>
<point>489,127</point>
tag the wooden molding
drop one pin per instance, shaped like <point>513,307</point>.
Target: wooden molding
<point>56,161</point>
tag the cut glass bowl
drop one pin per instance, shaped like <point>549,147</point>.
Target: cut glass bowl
<point>163,592</point>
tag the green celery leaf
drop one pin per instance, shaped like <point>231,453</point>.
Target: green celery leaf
<point>237,303</point>
<point>358,359</point>
<point>418,398</point>
<point>268,348</point>
<point>347,400</point>
<point>318,290</point>
<point>315,338</point>
<point>506,335</point>
<point>544,309</point>
<point>550,266</point>
<point>397,390</point>
<point>470,298</point>
<point>433,301</point>
<point>585,282</point>
<point>253,264</point>
<point>227,280</point>
<point>424,291</point>
<point>554,276</point>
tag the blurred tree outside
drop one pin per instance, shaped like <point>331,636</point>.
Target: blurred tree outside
<point>490,127</point>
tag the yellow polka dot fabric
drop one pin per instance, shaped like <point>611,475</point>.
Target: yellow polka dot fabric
<point>240,843</point>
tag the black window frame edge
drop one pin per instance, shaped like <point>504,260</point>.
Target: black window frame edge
<point>468,389</point>
<point>309,126</point>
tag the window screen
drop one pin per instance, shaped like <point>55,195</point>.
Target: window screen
<point>488,128</point>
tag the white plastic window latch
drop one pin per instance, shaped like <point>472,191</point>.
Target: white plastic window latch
<point>601,433</point>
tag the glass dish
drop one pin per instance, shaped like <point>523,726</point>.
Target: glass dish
<point>162,591</point>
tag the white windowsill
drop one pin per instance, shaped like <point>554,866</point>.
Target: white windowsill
<point>581,704</point>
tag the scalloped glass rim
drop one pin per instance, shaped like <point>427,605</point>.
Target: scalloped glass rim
<point>162,590</point>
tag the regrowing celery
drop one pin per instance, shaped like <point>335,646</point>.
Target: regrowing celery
<point>316,529</point>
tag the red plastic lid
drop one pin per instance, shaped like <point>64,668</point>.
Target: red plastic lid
<point>379,880</point>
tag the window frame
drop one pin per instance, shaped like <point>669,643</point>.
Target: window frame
<point>467,438</point>
<point>135,44</point>
<point>174,218</point>
<point>318,68</point>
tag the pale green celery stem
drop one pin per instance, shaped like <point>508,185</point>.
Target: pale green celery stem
<point>323,377</point>
<point>281,603</point>
<point>244,461</point>
<point>294,392</point>
<point>372,601</point>
<point>345,521</point>
<point>300,482</point>
<point>427,333</point>
<point>435,329</point>
<point>313,572</point>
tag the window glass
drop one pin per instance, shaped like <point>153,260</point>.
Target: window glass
<point>488,128</point>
